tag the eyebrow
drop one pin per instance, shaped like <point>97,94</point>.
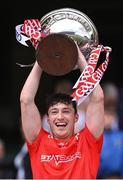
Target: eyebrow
<point>50,109</point>
<point>64,108</point>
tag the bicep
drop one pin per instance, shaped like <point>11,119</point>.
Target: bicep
<point>31,121</point>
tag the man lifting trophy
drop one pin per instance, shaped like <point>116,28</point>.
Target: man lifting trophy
<point>64,39</point>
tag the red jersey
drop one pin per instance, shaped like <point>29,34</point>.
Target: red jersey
<point>76,158</point>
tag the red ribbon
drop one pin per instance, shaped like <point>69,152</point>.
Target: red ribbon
<point>32,28</point>
<point>91,75</point>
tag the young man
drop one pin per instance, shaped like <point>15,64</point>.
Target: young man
<point>62,154</point>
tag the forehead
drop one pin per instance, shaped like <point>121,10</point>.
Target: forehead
<point>61,106</point>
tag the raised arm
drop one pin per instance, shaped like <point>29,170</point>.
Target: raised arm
<point>31,120</point>
<point>95,108</point>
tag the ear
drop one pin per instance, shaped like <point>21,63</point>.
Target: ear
<point>77,117</point>
<point>47,119</point>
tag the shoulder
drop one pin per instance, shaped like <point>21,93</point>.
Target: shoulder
<point>90,140</point>
<point>43,135</point>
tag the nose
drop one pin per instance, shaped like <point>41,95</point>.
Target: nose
<point>60,115</point>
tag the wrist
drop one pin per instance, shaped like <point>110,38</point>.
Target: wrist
<point>82,64</point>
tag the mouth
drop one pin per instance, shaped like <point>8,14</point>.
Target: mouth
<point>61,124</point>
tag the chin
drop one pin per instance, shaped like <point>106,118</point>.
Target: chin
<point>62,135</point>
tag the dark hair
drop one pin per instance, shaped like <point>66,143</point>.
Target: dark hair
<point>62,98</point>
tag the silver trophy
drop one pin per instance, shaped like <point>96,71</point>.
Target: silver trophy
<point>57,52</point>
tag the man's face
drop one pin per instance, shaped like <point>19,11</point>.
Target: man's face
<point>62,118</point>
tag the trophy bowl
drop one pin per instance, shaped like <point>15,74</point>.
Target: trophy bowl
<point>57,52</point>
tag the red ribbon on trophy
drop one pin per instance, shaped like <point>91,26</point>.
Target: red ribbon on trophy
<point>30,30</point>
<point>91,75</point>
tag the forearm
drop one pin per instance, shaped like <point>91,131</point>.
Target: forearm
<point>95,112</point>
<point>30,87</point>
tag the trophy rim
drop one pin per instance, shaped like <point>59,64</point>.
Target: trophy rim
<point>80,14</point>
